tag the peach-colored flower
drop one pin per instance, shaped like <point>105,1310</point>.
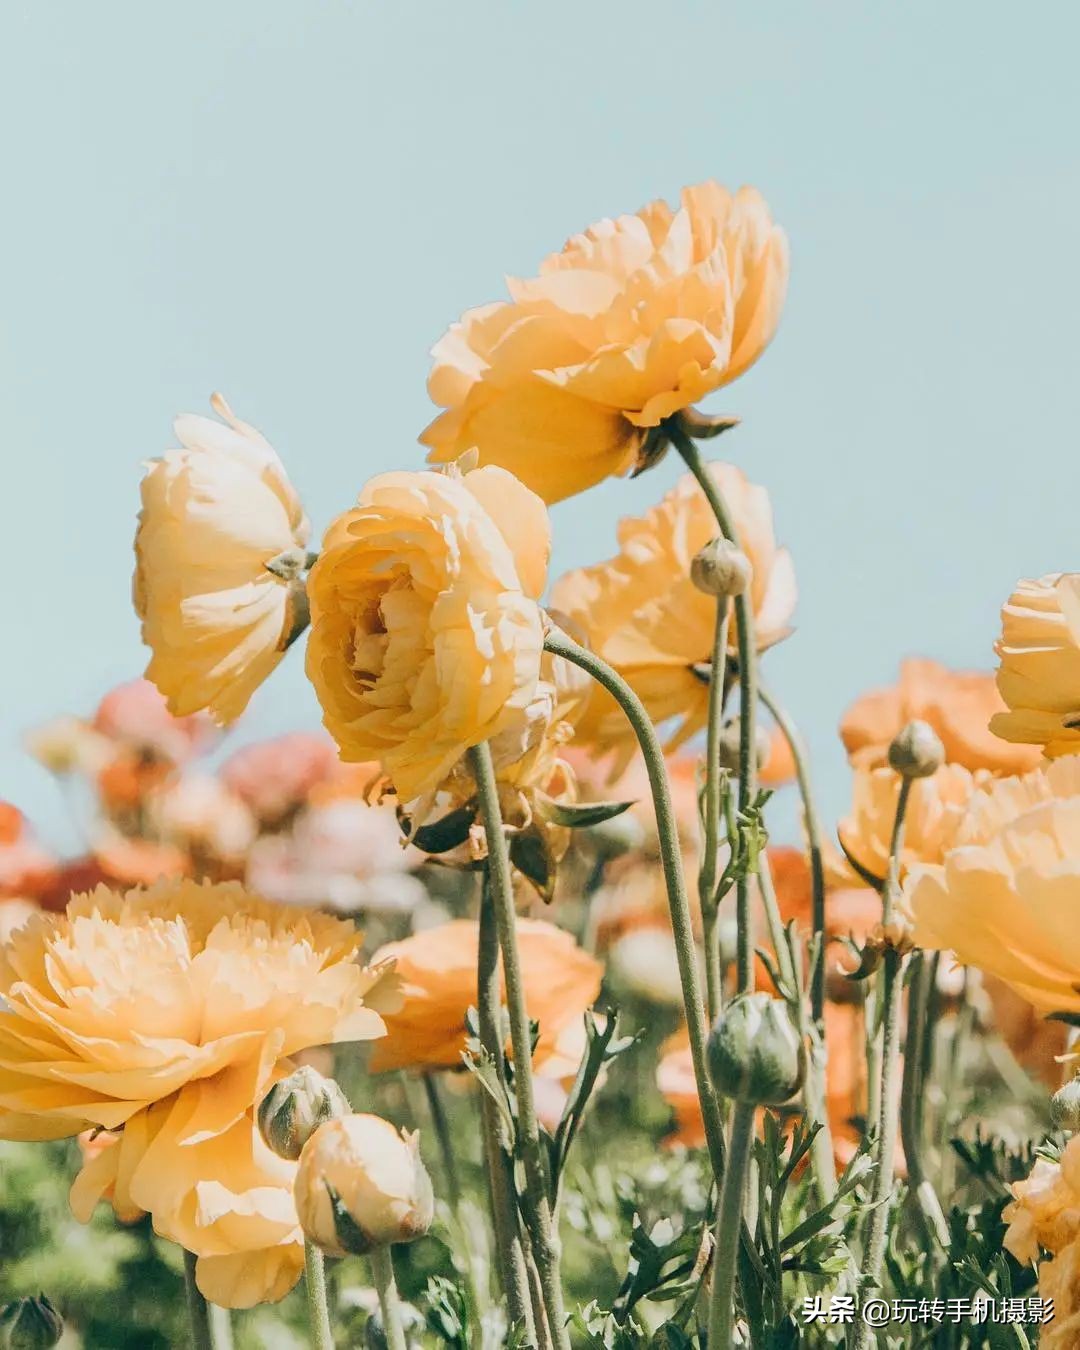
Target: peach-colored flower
<point>641,612</point>
<point>25,867</point>
<point>165,1014</point>
<point>635,319</point>
<point>936,806</point>
<point>426,635</point>
<point>1006,897</point>
<point>957,704</point>
<point>215,515</point>
<point>1045,1213</point>
<point>274,778</point>
<point>437,969</point>
<point>1039,672</point>
<point>199,814</point>
<point>137,715</point>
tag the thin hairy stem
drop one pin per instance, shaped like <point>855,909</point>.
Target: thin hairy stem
<point>382,1272</point>
<point>710,850</point>
<point>322,1337</point>
<point>537,1206</point>
<point>728,1222</point>
<point>198,1309</point>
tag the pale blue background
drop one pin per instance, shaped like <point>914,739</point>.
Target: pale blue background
<point>290,201</point>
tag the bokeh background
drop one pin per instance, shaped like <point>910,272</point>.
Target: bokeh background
<point>289,203</point>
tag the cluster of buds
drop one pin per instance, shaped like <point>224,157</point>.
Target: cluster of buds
<point>755,1055</point>
<point>360,1182</point>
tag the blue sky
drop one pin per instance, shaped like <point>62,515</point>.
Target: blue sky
<point>290,202</point>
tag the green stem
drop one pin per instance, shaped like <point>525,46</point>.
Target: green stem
<point>322,1337</point>
<point>198,1309</point>
<point>728,1222</point>
<point>537,1206</point>
<point>812,824</point>
<point>707,874</point>
<point>509,1251</point>
<point>560,644</point>
<point>382,1272</point>
<point>892,999</point>
<point>441,1125</point>
<point>747,646</point>
<point>221,1327</point>
<point>912,1101</point>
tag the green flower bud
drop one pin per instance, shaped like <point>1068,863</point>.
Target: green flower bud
<point>721,569</point>
<point>1065,1106</point>
<point>754,1051</point>
<point>30,1324</point>
<point>295,1107</point>
<point>916,751</point>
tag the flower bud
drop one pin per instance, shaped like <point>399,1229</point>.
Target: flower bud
<point>1065,1106</point>
<point>754,1051</point>
<point>361,1184</point>
<point>721,568</point>
<point>916,751</point>
<point>728,745</point>
<point>30,1324</point>
<point>295,1107</point>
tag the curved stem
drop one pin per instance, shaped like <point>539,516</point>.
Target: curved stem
<point>536,1203</point>
<point>892,996</point>
<point>322,1337</point>
<point>747,645</point>
<point>560,644</point>
<point>382,1272</point>
<point>509,1252</point>
<point>441,1125</point>
<point>198,1309</point>
<point>711,814</point>
<point>728,1219</point>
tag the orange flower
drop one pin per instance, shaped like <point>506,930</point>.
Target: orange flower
<point>635,319</point>
<point>641,612</point>
<point>437,969</point>
<point>1039,674</point>
<point>936,806</point>
<point>957,704</point>
<point>25,868</point>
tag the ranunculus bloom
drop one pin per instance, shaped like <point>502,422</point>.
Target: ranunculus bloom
<point>935,808</point>
<point>426,635</point>
<point>198,813</point>
<point>165,1015</point>
<point>1045,1212</point>
<point>437,969</point>
<point>641,612</point>
<point>274,778</point>
<point>1006,897</point>
<point>1039,674</point>
<point>957,704</point>
<point>136,714</point>
<point>214,514</point>
<point>635,319</point>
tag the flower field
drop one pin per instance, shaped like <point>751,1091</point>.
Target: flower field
<point>490,1013</point>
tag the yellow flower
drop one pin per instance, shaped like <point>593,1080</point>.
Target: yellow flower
<point>166,1014</point>
<point>641,612</point>
<point>1006,897</point>
<point>214,514</point>
<point>1039,674</point>
<point>375,1175</point>
<point>1045,1212</point>
<point>437,968</point>
<point>635,319</point>
<point>936,806</point>
<point>958,705</point>
<point>426,637</point>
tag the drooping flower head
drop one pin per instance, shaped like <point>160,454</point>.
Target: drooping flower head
<point>437,969</point>
<point>958,705</point>
<point>215,514</point>
<point>641,612</point>
<point>426,636</point>
<point>632,321</point>
<point>165,1015</point>
<point>1006,897</point>
<point>1039,674</point>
